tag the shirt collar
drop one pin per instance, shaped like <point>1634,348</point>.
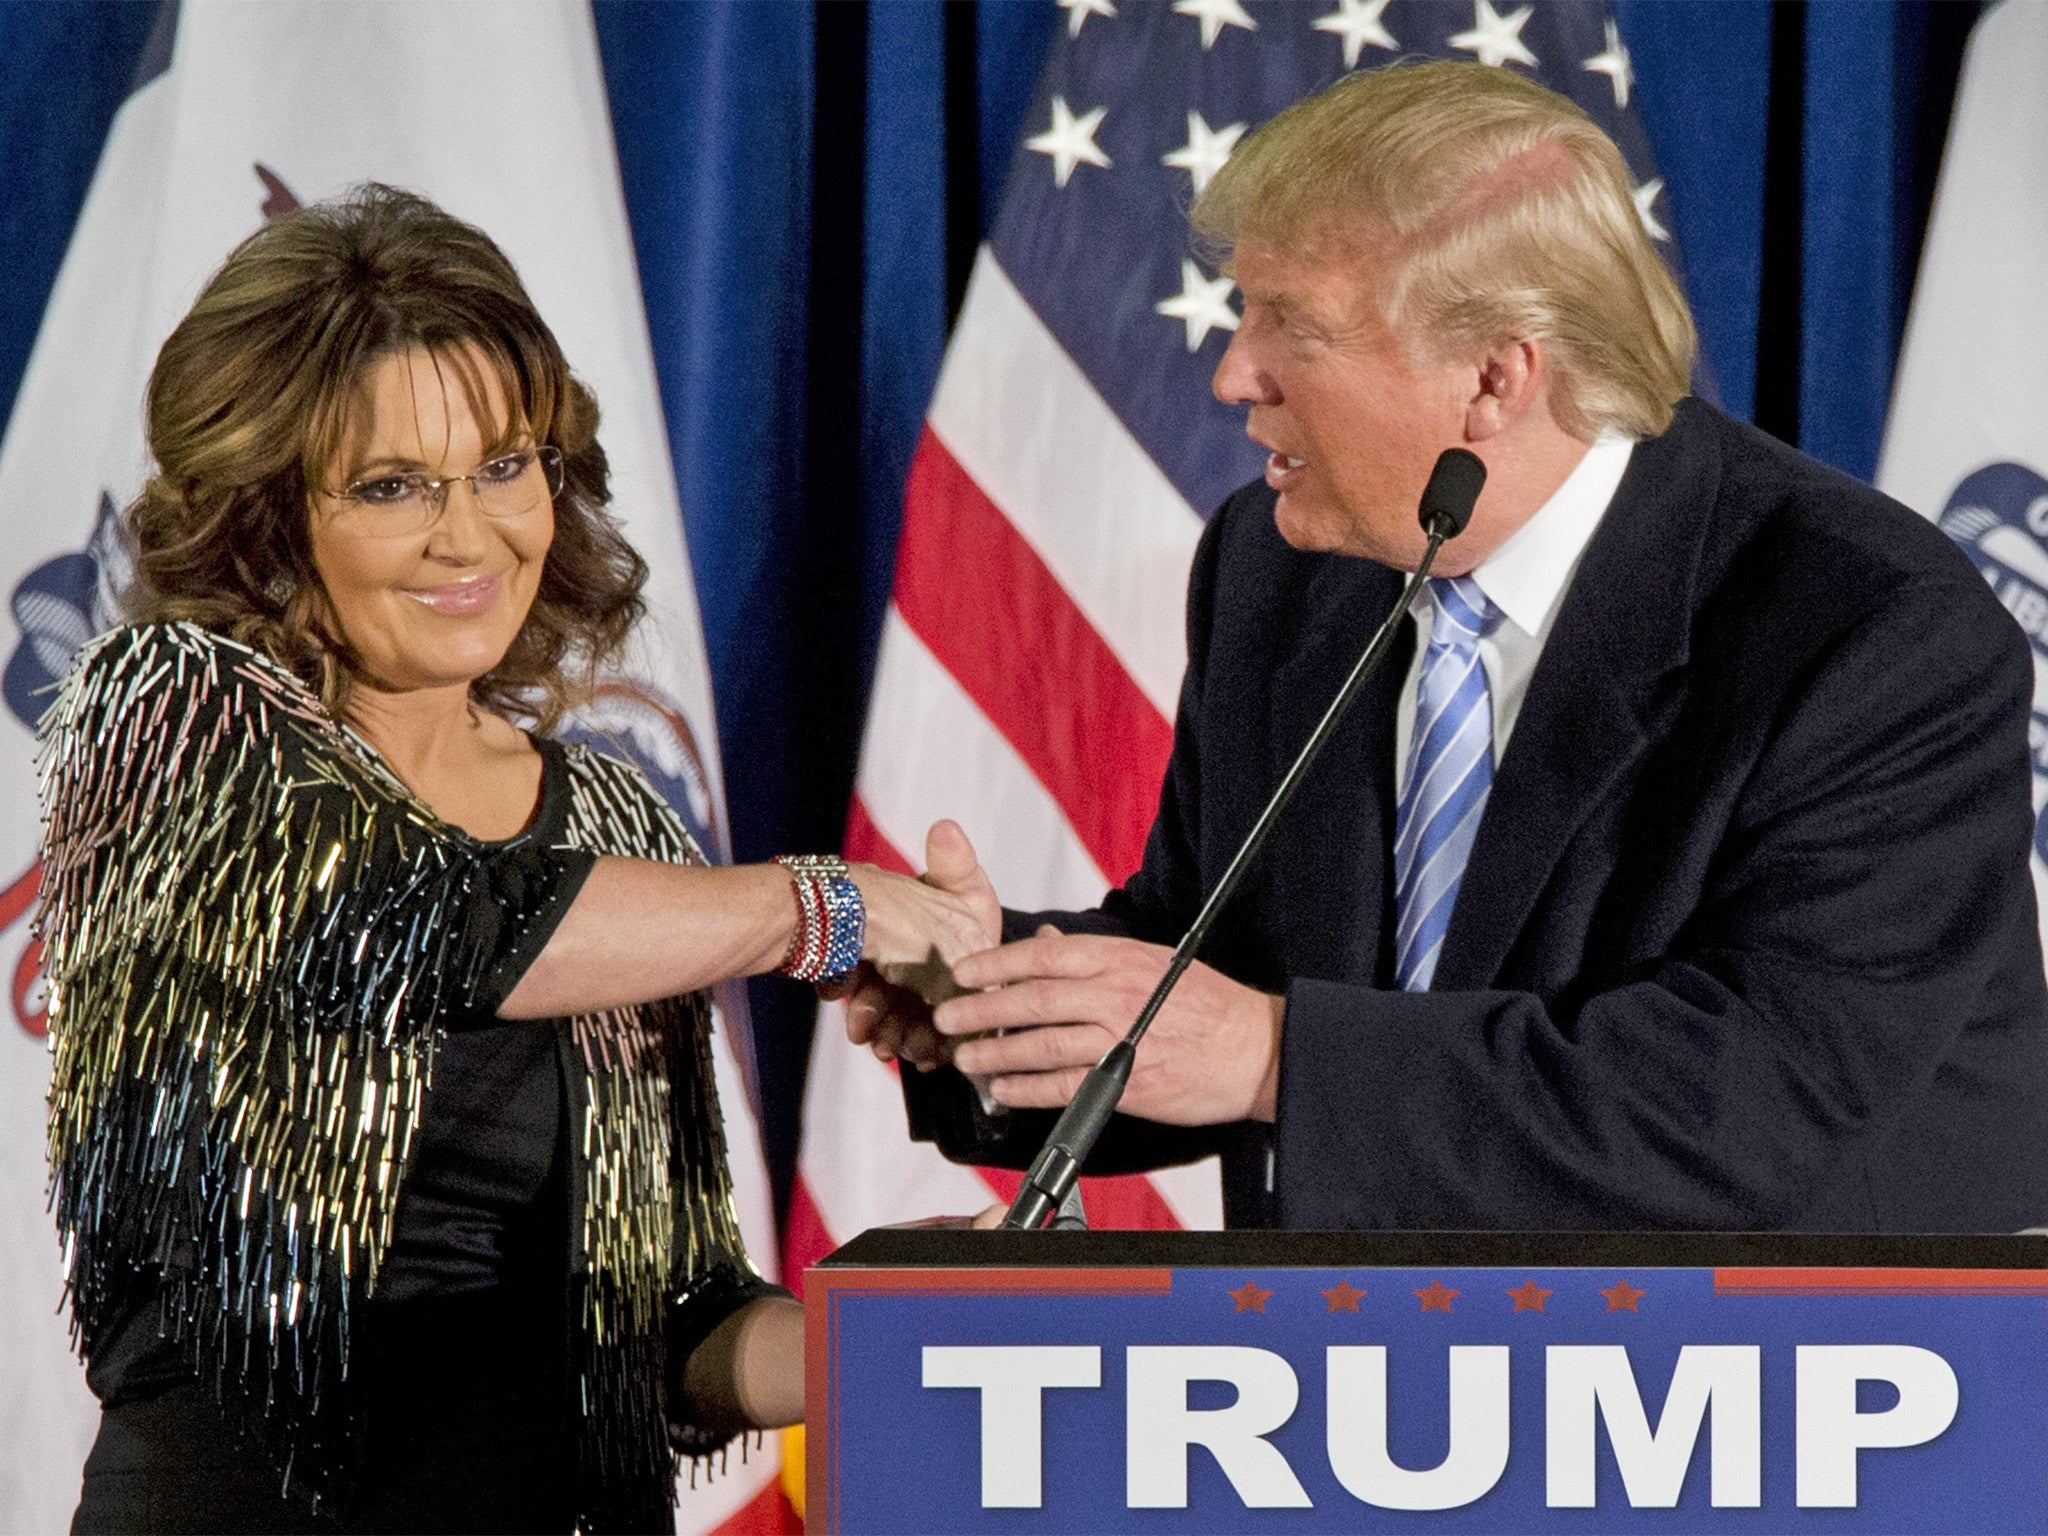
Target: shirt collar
<point>1526,576</point>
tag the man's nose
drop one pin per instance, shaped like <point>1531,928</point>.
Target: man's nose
<point>1239,380</point>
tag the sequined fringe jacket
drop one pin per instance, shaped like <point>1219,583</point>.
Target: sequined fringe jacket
<point>254,936</point>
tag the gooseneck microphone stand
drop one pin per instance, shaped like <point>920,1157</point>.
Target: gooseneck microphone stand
<point>1447,502</point>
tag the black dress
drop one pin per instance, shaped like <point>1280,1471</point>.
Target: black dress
<point>348,1252</point>
<point>461,1374</point>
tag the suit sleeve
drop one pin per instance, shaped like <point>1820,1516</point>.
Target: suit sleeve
<point>1872,884</point>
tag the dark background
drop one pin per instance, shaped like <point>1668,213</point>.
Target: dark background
<point>807,181</point>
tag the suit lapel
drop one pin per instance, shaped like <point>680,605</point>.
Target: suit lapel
<point>1342,818</point>
<point>1623,628</point>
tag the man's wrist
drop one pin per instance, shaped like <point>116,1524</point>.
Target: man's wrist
<point>1266,1102</point>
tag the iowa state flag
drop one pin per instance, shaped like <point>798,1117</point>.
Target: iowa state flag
<point>1967,442</point>
<point>499,114</point>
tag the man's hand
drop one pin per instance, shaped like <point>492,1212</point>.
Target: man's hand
<point>895,1020</point>
<point>1211,1056</point>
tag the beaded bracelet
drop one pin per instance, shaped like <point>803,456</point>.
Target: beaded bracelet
<point>831,919</point>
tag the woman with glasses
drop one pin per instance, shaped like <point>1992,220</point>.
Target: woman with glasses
<point>386,1152</point>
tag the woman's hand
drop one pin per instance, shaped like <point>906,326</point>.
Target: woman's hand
<point>915,931</point>
<point>895,1020</point>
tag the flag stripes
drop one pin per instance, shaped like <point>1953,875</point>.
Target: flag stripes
<point>996,618</point>
<point>1027,676</point>
<point>1044,446</point>
<point>859,1168</point>
<point>864,841</point>
<point>950,760</point>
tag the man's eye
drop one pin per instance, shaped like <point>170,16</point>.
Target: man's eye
<point>385,489</point>
<point>504,469</point>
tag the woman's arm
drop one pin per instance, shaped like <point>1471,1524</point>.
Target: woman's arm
<point>751,1367</point>
<point>640,930</point>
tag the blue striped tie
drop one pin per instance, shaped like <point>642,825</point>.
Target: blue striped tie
<point>1450,770</point>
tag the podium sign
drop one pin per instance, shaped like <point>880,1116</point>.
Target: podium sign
<point>1301,1382</point>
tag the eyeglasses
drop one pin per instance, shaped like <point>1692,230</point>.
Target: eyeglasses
<point>507,487</point>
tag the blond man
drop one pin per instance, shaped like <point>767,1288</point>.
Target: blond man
<point>1677,877</point>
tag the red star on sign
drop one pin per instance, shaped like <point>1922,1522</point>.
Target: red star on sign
<point>1529,1296</point>
<point>1342,1298</point>
<point>1250,1297</point>
<point>1622,1297</point>
<point>1437,1297</point>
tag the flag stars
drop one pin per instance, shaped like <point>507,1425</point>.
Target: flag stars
<point>1622,1297</point>
<point>1215,15</point>
<point>1496,38</point>
<point>1343,1297</point>
<point>1529,1296</point>
<point>1202,305</point>
<point>1436,1296</point>
<point>1646,197</point>
<point>1613,62</point>
<point>1205,151</point>
<point>1070,141</point>
<point>1078,12</point>
<point>1358,22</point>
<point>1250,1297</point>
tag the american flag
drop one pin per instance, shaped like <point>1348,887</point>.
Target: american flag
<point>1032,653</point>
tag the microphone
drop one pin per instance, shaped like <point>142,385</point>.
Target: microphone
<point>1452,492</point>
<point>1446,508</point>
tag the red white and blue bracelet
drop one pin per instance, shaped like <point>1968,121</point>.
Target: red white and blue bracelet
<point>831,919</point>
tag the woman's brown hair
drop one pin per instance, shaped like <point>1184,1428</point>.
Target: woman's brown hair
<point>251,397</point>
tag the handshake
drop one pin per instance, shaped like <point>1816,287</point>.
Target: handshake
<point>940,988</point>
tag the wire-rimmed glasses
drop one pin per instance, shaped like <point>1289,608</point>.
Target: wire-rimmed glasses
<point>508,486</point>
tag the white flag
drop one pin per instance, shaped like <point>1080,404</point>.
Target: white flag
<point>1967,442</point>
<point>498,113</point>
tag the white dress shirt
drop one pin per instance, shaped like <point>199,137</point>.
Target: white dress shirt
<point>1526,579</point>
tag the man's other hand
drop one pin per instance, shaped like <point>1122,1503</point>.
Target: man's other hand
<point>1211,1056</point>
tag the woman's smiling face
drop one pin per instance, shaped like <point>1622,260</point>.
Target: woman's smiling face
<point>430,599</point>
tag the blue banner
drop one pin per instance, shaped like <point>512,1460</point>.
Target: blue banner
<point>1457,1399</point>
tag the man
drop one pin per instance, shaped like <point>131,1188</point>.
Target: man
<point>1675,876</point>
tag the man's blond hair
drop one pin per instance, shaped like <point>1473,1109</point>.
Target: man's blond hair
<point>1506,214</point>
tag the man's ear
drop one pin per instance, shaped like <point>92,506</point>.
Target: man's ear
<point>1508,382</point>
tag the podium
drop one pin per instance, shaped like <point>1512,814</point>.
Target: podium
<point>1290,1381</point>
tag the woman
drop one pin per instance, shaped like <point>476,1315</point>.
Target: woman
<point>385,1147</point>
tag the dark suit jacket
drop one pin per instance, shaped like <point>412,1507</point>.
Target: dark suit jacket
<point>1747,939</point>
